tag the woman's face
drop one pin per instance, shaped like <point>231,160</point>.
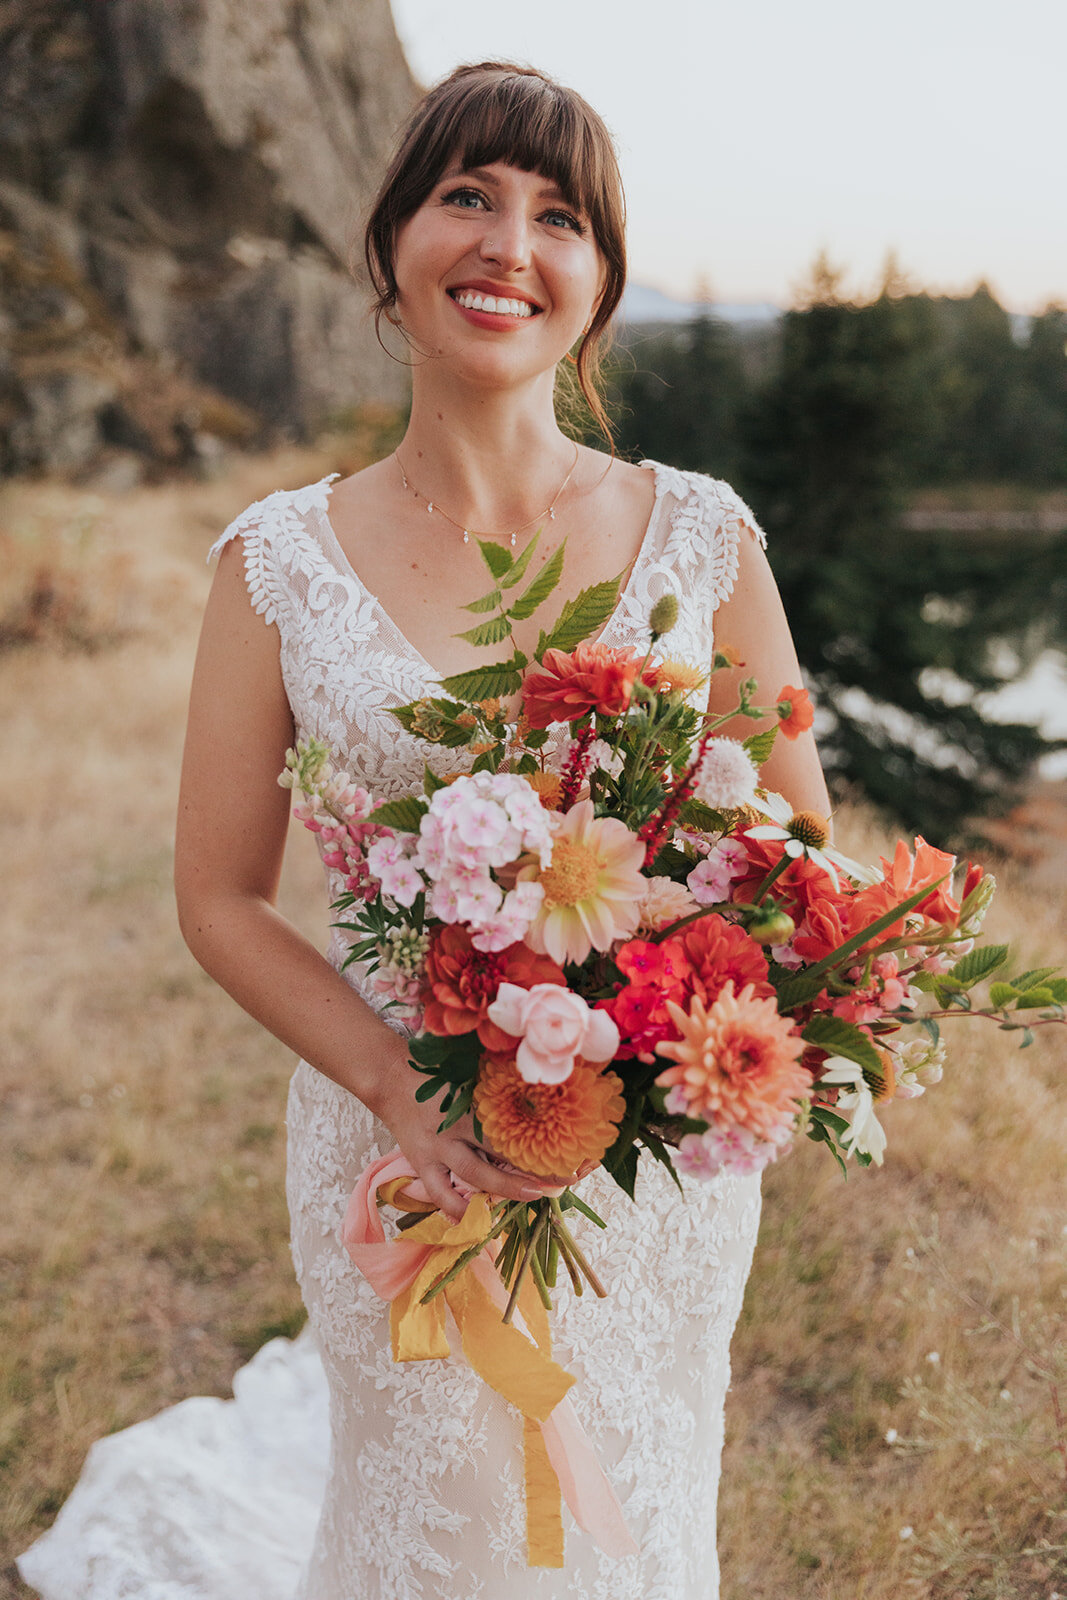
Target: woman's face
<point>499,235</point>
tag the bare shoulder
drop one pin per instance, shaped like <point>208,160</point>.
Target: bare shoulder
<point>620,489</point>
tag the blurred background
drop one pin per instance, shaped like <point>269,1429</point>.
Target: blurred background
<point>849,298</point>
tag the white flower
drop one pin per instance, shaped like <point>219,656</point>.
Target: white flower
<point>865,1134</point>
<point>727,777</point>
<point>918,1064</point>
<point>823,855</point>
<point>662,903</point>
<point>600,754</point>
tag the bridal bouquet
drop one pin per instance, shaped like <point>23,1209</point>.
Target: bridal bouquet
<point>610,942</point>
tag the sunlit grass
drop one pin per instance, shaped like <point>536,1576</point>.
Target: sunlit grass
<point>143,1234</point>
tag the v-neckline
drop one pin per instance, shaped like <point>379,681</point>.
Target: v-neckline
<point>347,570</point>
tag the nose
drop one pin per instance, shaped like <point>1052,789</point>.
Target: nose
<point>506,241</point>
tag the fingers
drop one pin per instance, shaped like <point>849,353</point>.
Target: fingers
<point>472,1167</point>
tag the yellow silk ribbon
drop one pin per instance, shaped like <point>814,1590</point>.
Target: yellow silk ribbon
<point>519,1368</point>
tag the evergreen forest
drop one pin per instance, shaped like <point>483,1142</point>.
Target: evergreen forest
<point>837,424</point>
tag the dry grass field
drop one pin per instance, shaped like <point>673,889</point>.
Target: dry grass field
<point>897,1420</point>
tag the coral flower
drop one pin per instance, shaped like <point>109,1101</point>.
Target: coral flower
<point>462,983</point>
<point>594,677</point>
<point>795,714</point>
<point>902,877</point>
<point>717,952</point>
<point>548,1129</point>
<point>737,1063</point>
<point>593,886</point>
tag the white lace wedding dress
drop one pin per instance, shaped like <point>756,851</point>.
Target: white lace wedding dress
<point>422,1495</point>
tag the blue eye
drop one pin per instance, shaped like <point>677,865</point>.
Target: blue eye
<point>567,218</point>
<point>466,199</point>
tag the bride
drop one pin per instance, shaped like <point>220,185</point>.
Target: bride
<point>496,248</point>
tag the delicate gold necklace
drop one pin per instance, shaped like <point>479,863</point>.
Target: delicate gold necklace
<point>432,506</point>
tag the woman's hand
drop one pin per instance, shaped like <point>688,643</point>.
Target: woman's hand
<point>440,1158</point>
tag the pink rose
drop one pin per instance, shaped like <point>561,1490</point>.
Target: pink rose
<point>554,1025</point>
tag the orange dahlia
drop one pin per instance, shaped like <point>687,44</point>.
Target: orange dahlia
<point>548,1129</point>
<point>737,1063</point>
<point>717,952</point>
<point>462,983</point>
<point>593,677</point>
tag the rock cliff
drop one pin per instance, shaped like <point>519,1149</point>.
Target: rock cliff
<point>181,186</point>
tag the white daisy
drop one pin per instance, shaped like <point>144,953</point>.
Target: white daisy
<point>806,833</point>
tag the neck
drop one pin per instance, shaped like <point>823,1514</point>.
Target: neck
<point>491,459</point>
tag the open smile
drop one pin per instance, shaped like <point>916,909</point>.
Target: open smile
<point>494,305</point>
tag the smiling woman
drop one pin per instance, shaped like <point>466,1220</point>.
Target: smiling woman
<point>496,246</point>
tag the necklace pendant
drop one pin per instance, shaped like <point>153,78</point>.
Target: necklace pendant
<point>466,537</point>
<point>513,541</point>
<point>551,513</point>
<point>429,508</point>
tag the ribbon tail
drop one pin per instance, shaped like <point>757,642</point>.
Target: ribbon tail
<point>544,1520</point>
<point>590,1498</point>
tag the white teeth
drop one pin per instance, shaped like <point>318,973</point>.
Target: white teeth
<point>493,303</point>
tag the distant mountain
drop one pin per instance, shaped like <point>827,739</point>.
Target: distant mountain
<point>642,303</point>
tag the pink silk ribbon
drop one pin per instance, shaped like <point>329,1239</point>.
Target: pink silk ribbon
<point>392,1266</point>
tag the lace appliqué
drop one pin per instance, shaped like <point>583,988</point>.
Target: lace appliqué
<point>424,1497</point>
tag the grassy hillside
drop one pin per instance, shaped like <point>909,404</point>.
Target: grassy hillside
<point>896,1423</point>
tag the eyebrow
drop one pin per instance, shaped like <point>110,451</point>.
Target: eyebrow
<point>551,192</point>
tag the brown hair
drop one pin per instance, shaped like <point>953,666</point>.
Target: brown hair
<point>496,111</point>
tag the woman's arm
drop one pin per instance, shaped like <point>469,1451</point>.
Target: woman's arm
<point>753,624</point>
<point>232,823</point>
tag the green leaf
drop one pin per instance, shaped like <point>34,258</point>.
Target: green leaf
<point>542,586</point>
<point>404,814</point>
<point>431,782</point>
<point>924,981</point>
<point>1040,996</point>
<point>517,571</point>
<point>840,1038</point>
<point>491,632</point>
<point>1058,987</point>
<point>496,558</point>
<point>701,818</point>
<point>930,1028</point>
<point>979,964</point>
<point>625,1170</point>
<point>1001,994</point>
<point>830,1119</point>
<point>797,989</point>
<point>583,616</point>
<point>760,745</point>
<point>488,602</point>
<point>1027,1039</point>
<point>536,739</point>
<point>820,1134</point>
<point>655,1146</point>
<point>1033,978</point>
<point>486,683</point>
<point>527,763</point>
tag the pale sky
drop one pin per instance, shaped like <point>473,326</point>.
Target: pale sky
<point>754,134</point>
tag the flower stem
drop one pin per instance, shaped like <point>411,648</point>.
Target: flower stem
<point>783,865</point>
<point>570,1246</point>
<point>464,1258</point>
<point>531,1245</point>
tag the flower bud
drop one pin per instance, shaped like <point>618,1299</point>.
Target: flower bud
<point>774,927</point>
<point>664,615</point>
